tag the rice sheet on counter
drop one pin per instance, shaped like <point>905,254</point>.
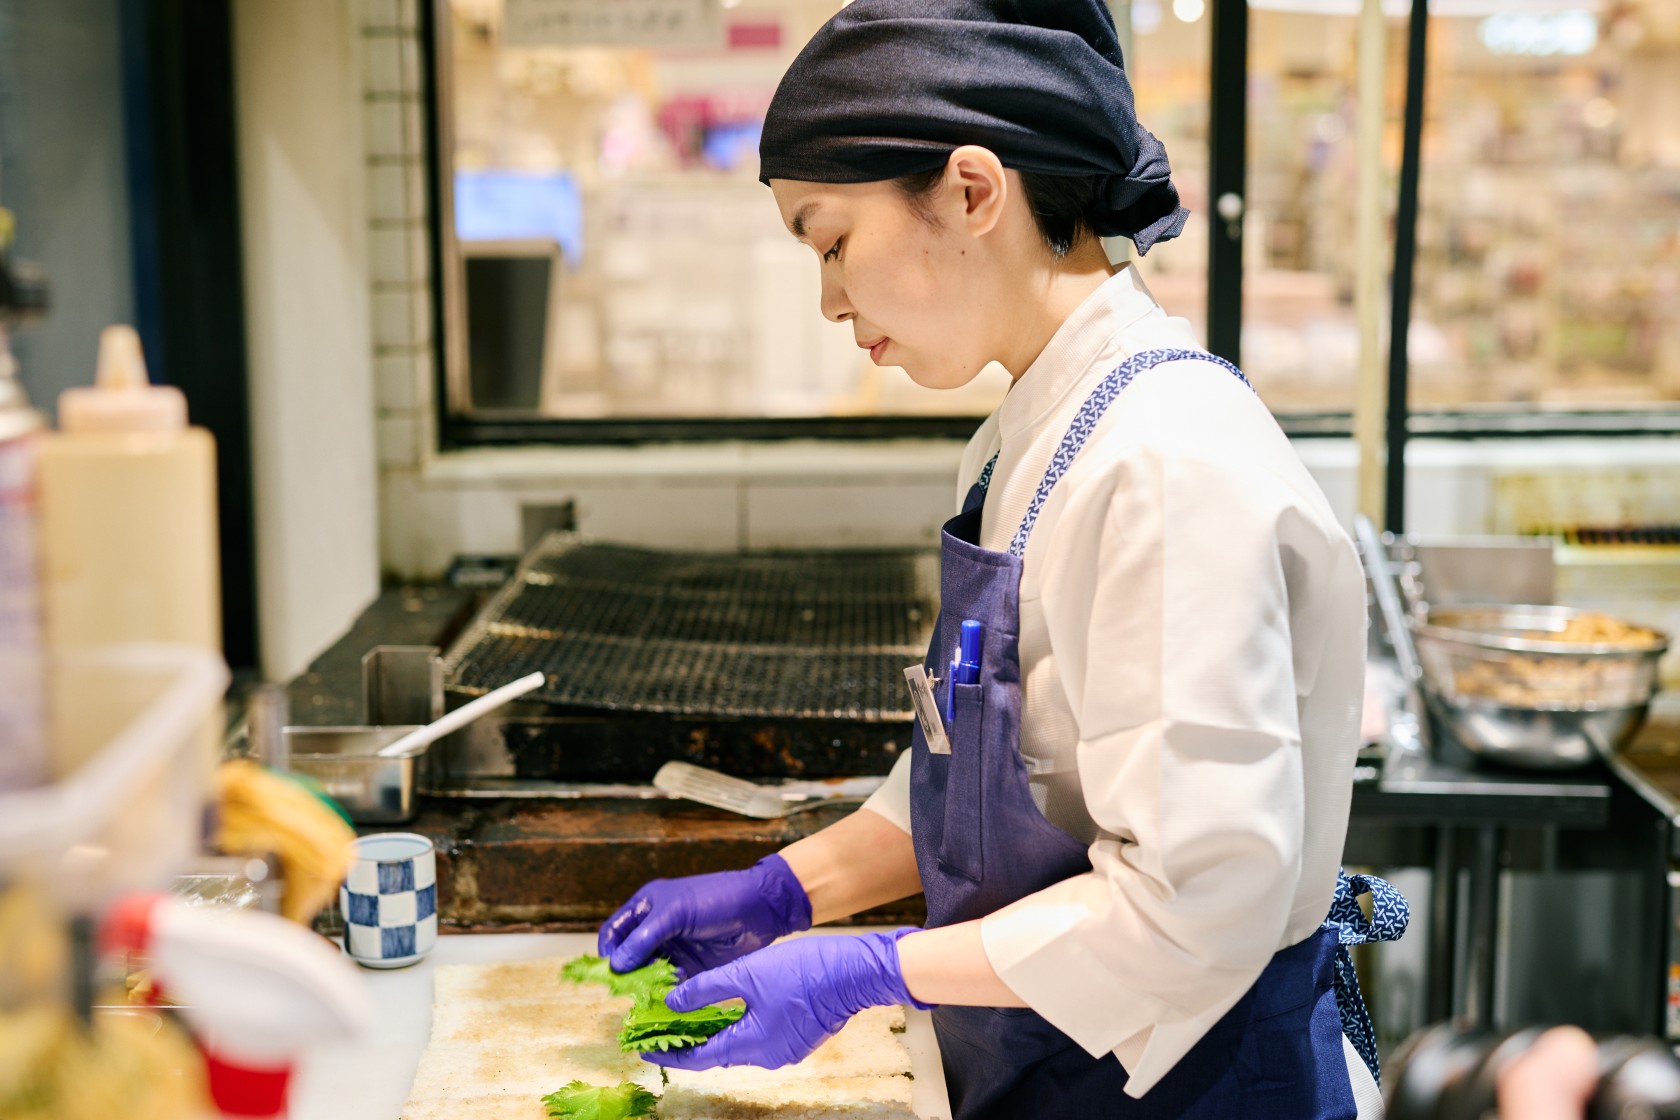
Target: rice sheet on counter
<point>504,1035</point>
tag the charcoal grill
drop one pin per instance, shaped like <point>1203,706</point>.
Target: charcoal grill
<point>785,665</point>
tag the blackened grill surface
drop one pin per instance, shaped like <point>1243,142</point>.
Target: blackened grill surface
<point>786,636</point>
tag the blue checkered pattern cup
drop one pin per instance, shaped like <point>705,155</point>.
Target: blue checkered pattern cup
<point>389,900</point>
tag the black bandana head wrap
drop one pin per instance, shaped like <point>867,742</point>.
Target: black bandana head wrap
<point>892,87</point>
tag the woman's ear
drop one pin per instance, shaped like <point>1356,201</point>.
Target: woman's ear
<point>975,176</point>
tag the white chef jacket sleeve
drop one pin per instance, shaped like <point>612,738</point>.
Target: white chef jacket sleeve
<point>1167,597</point>
<point>892,800</point>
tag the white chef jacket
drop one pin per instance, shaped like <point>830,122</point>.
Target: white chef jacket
<point>1192,656</point>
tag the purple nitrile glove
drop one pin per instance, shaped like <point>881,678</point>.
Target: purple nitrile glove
<point>798,994</point>
<point>701,921</point>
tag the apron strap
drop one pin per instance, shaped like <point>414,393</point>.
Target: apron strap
<point>1085,422</point>
<point>1388,920</point>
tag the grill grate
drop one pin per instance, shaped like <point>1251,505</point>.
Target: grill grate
<point>1616,534</point>
<point>793,635</point>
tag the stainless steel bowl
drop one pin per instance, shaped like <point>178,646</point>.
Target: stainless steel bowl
<point>1535,738</point>
<point>1509,688</point>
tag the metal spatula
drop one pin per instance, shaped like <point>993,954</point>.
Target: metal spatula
<point>737,795</point>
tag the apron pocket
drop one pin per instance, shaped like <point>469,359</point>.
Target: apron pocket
<point>961,844</point>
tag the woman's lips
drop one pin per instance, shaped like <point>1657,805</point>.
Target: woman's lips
<point>876,349</point>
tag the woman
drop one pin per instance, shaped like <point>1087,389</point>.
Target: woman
<point>1129,820</point>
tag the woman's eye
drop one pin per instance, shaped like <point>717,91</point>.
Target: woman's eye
<point>833,252</point>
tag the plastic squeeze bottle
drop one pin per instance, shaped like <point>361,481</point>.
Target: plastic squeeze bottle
<point>23,728</point>
<point>128,529</point>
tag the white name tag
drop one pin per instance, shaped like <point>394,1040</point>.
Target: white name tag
<point>927,710</point>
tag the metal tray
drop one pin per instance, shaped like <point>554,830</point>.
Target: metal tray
<point>343,760</point>
<point>402,688</point>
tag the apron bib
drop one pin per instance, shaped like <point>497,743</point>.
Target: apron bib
<point>981,844</point>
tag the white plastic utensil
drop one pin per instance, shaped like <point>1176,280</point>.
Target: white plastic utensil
<point>422,737</point>
<point>738,795</point>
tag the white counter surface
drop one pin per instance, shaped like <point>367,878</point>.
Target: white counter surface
<point>369,1080</point>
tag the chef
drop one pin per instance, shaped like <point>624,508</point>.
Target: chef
<point>1128,786</point>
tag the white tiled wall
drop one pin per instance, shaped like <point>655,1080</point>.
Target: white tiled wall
<point>399,258</point>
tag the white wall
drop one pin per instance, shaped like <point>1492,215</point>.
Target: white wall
<point>303,176</point>
<point>812,495</point>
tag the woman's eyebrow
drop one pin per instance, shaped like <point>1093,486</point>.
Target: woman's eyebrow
<point>798,223</point>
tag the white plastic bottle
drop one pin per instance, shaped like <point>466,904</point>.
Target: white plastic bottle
<point>128,524</point>
<point>23,732</point>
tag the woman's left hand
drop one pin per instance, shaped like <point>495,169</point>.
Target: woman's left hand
<point>798,994</point>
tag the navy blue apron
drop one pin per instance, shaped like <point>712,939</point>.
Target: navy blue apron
<point>981,844</point>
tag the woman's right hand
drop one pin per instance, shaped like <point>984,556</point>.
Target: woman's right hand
<point>1554,1080</point>
<point>702,921</point>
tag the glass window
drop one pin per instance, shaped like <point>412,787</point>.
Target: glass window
<point>613,255</point>
<point>1548,259</point>
<point>1299,333</point>
<point>605,180</point>
<point>1169,61</point>
<point>1300,336</point>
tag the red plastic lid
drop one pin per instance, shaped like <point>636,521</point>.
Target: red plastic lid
<point>127,926</point>
<point>245,1090</point>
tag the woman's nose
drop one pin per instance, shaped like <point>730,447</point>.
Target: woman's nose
<point>835,307</point>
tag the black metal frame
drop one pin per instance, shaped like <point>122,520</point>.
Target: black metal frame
<point>1405,248</point>
<point>183,181</point>
<point>1227,175</point>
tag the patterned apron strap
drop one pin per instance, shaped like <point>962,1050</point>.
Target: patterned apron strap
<point>1085,422</point>
<point>1389,916</point>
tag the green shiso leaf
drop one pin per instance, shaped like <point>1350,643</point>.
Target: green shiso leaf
<point>652,980</point>
<point>651,1025</point>
<point>577,1100</point>
<point>586,970</point>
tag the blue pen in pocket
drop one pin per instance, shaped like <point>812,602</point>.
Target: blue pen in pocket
<point>965,669</point>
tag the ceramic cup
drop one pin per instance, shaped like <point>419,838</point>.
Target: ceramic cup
<point>389,900</point>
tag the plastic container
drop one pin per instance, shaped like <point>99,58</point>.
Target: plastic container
<point>128,525</point>
<point>131,815</point>
<point>128,512</point>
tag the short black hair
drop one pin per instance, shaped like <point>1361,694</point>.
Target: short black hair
<point>1060,204</point>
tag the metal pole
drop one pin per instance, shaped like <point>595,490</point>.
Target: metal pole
<point>1371,385</point>
<point>1119,248</point>
<point>1482,928</point>
<point>1227,177</point>
<point>1443,926</point>
<point>1405,247</point>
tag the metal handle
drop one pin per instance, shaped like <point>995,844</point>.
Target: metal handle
<point>1394,618</point>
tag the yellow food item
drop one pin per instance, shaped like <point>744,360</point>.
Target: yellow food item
<point>1539,681</point>
<point>264,813</point>
<point>134,1067</point>
<point>1599,629</point>
<point>1562,679</point>
<point>34,954</point>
